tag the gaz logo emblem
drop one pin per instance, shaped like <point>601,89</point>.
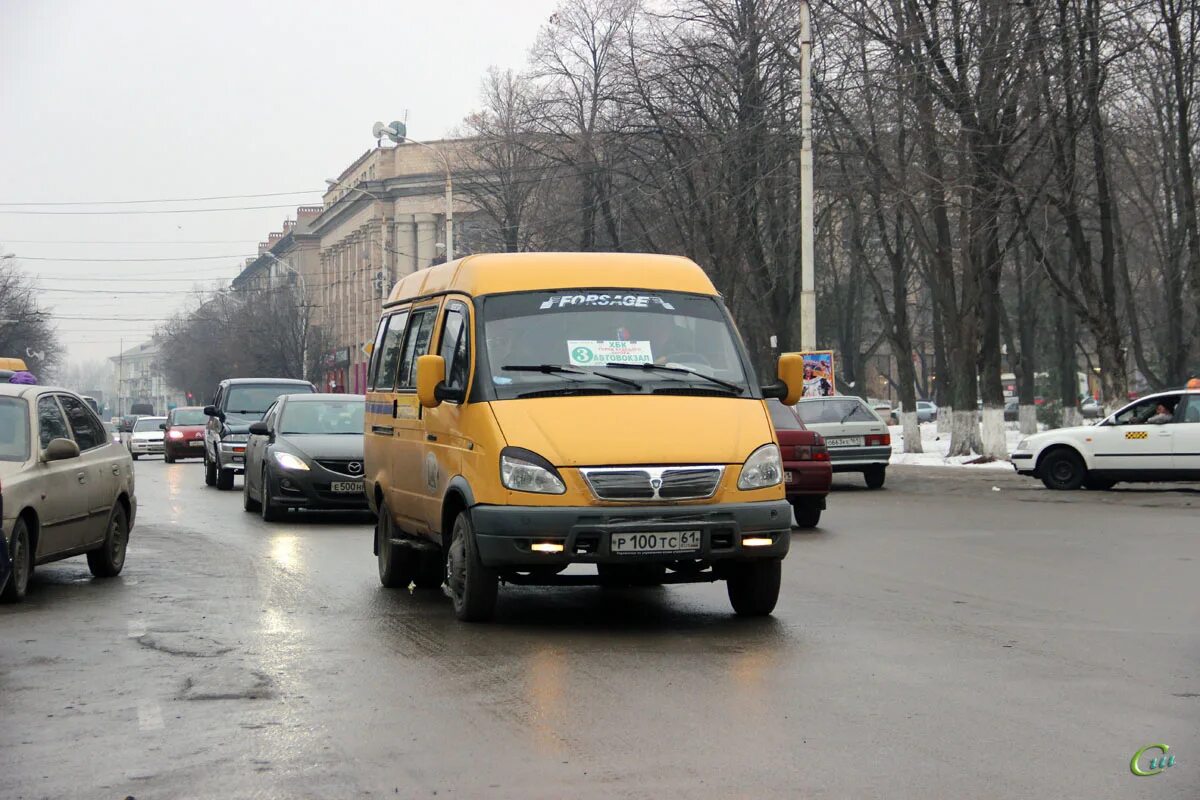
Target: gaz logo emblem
<point>1136,435</point>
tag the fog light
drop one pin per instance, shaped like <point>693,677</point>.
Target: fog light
<point>546,547</point>
<point>757,541</point>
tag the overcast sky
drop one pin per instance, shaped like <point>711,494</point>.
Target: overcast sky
<point>110,100</point>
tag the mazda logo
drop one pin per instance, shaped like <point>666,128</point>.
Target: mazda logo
<point>355,468</point>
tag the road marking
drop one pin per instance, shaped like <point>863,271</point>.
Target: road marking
<point>149,715</point>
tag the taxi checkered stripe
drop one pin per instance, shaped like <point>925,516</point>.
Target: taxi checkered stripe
<point>1137,435</point>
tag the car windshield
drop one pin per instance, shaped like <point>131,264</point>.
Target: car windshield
<point>303,417</point>
<point>251,400</point>
<point>568,342</point>
<point>188,416</point>
<point>840,409</point>
<point>148,424</point>
<point>14,429</point>
<point>783,417</point>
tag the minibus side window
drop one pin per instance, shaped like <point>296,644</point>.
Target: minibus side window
<point>387,354</point>
<point>416,343</point>
<point>456,346</point>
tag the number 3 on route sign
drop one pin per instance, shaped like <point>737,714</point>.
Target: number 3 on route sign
<point>582,355</point>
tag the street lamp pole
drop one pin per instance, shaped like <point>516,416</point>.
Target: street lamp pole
<point>808,294</point>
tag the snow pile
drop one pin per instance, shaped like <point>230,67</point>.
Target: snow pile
<point>937,445</point>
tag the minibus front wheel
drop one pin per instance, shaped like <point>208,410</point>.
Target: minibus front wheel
<point>473,586</point>
<point>754,586</point>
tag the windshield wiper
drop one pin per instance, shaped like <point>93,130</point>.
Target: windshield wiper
<point>557,369</point>
<point>849,414</point>
<point>733,387</point>
<point>571,391</point>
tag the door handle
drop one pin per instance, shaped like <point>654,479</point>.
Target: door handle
<point>383,430</point>
<point>116,470</point>
<point>82,476</point>
<point>431,437</point>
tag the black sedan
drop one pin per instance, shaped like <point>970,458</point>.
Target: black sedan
<point>307,452</point>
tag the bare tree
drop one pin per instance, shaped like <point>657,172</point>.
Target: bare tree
<point>26,331</point>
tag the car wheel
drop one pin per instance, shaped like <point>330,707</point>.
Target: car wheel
<point>807,515</point>
<point>225,479</point>
<point>431,569</point>
<point>473,586</point>
<point>754,587</point>
<point>1062,470</point>
<point>134,456</point>
<point>167,457</point>
<point>874,476</point>
<point>270,511</point>
<point>631,574</point>
<point>397,565</point>
<point>1098,484</point>
<point>22,565</point>
<point>248,501</point>
<point>108,559</point>
<point>210,472</point>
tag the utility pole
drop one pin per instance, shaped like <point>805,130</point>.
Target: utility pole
<point>808,294</point>
<point>121,379</point>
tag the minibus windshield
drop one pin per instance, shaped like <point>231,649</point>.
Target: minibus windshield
<point>610,341</point>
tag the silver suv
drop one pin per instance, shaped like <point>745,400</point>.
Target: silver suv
<point>238,404</point>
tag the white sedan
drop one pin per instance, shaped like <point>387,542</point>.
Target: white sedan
<point>1156,438</point>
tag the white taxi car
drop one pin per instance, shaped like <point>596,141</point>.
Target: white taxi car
<point>1155,438</point>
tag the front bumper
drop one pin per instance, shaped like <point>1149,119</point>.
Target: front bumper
<point>1023,463</point>
<point>145,446</point>
<point>314,489</point>
<point>853,459</point>
<point>185,448</point>
<point>504,533</point>
<point>232,456</point>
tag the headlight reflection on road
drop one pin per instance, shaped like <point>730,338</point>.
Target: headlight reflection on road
<point>285,553</point>
<point>546,681</point>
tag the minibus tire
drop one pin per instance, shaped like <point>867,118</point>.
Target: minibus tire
<point>754,587</point>
<point>473,586</point>
<point>397,565</point>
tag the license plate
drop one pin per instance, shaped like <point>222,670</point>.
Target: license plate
<point>659,542</point>
<point>844,441</point>
<point>237,459</point>
<point>787,477</point>
<point>347,487</point>
<point>196,444</point>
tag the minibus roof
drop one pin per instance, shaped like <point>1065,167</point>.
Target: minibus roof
<point>494,273</point>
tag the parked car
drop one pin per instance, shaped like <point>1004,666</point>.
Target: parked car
<point>1136,443</point>
<point>885,411</point>
<point>142,410</point>
<point>926,411</point>
<point>531,411</point>
<point>856,437</point>
<point>1012,409</point>
<point>185,433</point>
<point>1091,408</point>
<point>807,475</point>
<point>146,438</point>
<point>306,452</point>
<point>68,488</point>
<point>238,403</point>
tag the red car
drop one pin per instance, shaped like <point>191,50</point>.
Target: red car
<point>807,473</point>
<point>184,434</point>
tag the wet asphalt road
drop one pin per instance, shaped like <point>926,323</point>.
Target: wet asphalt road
<point>934,639</point>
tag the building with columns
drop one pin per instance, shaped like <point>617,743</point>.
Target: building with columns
<point>383,218</point>
<point>293,248</point>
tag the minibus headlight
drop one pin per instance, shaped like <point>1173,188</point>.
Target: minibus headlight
<point>763,468</point>
<point>526,471</point>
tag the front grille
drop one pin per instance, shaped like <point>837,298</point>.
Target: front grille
<point>343,466</point>
<point>653,483</point>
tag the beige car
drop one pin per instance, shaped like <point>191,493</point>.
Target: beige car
<point>66,487</point>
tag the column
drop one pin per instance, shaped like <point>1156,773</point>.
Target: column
<point>427,237</point>
<point>406,246</point>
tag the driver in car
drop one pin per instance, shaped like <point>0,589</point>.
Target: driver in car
<point>1162,415</point>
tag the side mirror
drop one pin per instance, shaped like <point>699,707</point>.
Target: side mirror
<point>60,450</point>
<point>210,411</point>
<point>790,387</point>
<point>162,426</point>
<point>431,372</point>
<point>260,429</point>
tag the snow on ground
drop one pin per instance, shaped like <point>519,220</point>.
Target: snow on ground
<point>937,445</point>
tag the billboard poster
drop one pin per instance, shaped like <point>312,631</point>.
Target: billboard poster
<point>818,373</point>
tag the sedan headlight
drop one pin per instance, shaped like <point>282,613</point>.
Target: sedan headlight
<point>289,461</point>
<point>763,468</point>
<point>1023,444</point>
<point>525,471</point>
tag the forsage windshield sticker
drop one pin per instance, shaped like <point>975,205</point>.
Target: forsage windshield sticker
<point>623,300</point>
<point>589,352</point>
